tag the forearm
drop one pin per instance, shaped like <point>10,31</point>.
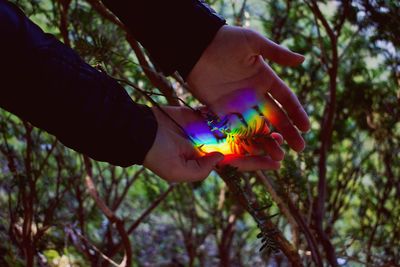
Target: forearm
<point>49,85</point>
<point>175,33</point>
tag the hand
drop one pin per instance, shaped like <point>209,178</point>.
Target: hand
<point>234,62</point>
<point>174,157</point>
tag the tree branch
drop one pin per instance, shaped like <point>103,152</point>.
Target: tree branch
<point>127,260</point>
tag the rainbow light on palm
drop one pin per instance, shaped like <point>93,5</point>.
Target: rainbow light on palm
<point>235,132</point>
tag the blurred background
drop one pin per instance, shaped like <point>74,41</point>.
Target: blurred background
<point>337,203</point>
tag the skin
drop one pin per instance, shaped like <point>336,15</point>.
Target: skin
<point>234,61</point>
<point>174,158</point>
<point>231,64</point>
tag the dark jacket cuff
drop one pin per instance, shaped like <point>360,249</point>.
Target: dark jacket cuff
<point>48,84</point>
<point>175,33</point>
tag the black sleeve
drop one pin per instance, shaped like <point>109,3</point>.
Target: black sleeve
<point>174,32</point>
<point>48,84</point>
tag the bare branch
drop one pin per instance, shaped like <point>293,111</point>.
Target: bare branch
<point>158,80</point>
<point>127,260</point>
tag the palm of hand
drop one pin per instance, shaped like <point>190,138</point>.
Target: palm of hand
<point>233,64</point>
<point>175,158</point>
<point>228,64</point>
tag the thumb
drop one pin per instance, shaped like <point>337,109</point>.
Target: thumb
<point>274,52</point>
<point>201,167</point>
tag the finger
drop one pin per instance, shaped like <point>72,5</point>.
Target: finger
<point>274,52</point>
<point>250,163</point>
<point>255,148</point>
<point>272,148</point>
<point>257,125</point>
<point>279,119</point>
<point>278,138</point>
<point>199,168</point>
<point>289,101</point>
<point>265,145</point>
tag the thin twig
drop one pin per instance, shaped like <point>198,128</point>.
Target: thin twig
<point>127,260</point>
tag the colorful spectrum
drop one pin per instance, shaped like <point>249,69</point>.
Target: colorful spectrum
<point>234,133</point>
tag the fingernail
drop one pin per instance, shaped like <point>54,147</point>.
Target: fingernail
<point>220,157</point>
<point>217,155</point>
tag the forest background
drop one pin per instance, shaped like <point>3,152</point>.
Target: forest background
<point>337,203</point>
